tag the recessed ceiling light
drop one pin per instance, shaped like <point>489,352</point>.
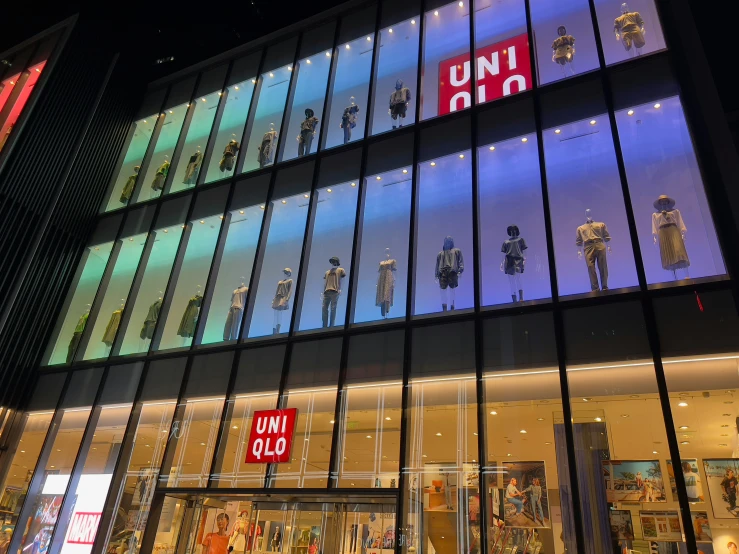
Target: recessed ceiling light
<point>307,61</point>
<point>271,74</point>
<point>433,164</point>
<point>624,415</point>
<point>405,171</point>
<point>369,436</point>
<point>329,190</point>
<point>203,99</point>
<point>522,431</point>
<point>540,419</point>
<point>630,112</point>
<point>289,68</point>
<point>369,38</point>
<point>306,195</point>
<point>413,21</point>
<point>683,404</point>
<point>492,148</point>
<point>438,434</point>
<point>390,30</point>
<point>235,427</point>
<point>262,207</point>
<point>425,456</point>
<point>284,201</point>
<point>253,80</point>
<point>658,105</point>
<point>436,13</point>
<point>598,419</point>
<point>378,178</point>
<point>493,413</point>
<point>683,427</point>
<point>655,452</point>
<point>508,455</point>
<point>461,156</point>
<point>461,4</point>
<point>557,131</point>
<point>202,444</point>
<point>328,54</point>
<point>593,122</point>
<point>388,419</point>
<point>685,442</point>
<point>524,139</point>
<point>354,184</point>
<point>331,422</point>
<point>547,443</point>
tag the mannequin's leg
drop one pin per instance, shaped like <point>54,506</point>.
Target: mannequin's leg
<point>334,302</point>
<point>452,294</point>
<point>519,286</point>
<point>324,309</point>
<point>444,298</point>
<point>275,319</point>
<point>512,285</point>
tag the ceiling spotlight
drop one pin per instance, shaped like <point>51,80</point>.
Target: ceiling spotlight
<point>436,13</point>
<point>624,416</point>
<point>405,171</point>
<point>598,419</point>
<point>630,112</point>
<point>369,38</point>
<point>413,21</point>
<point>657,106</point>
<point>493,413</point>
<point>685,442</point>
<point>557,131</point>
<point>524,139</point>
<point>331,422</point>
<point>271,74</point>
<point>492,148</point>
<point>328,190</point>
<point>328,54</point>
<point>433,164</point>
<point>262,207</point>
<point>593,122</point>
<point>438,434</point>
<point>387,419</point>
<point>348,47</point>
<point>307,61</point>
<point>461,156</point>
<point>253,80</point>
<point>369,436</point>
<point>540,419</point>
<point>235,427</point>
<point>354,184</point>
<point>522,431</point>
<point>461,4</point>
<point>284,201</point>
<point>683,427</point>
<point>655,452</point>
<point>306,195</point>
<point>378,178</point>
<point>241,212</point>
<point>203,99</point>
<point>236,88</point>
<point>682,404</point>
<point>170,111</point>
<point>289,68</point>
<point>390,30</point>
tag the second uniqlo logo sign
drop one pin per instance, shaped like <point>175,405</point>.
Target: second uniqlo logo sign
<point>271,437</point>
<point>503,68</point>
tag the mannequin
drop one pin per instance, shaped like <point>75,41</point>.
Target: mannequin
<point>449,266</point>
<point>77,334</point>
<point>237,542</point>
<point>399,102</point>
<point>514,261</point>
<point>190,318</point>
<point>266,150</point>
<point>386,284</point>
<point>281,301</point>
<point>112,328</point>
<point>307,132</point>
<point>629,29</point>
<point>193,168</point>
<point>349,120</point>
<point>233,319</point>
<point>147,329</point>
<point>668,233</point>
<point>276,540</point>
<point>229,156</point>
<point>130,185</point>
<point>158,183</point>
<point>332,291</point>
<point>591,238</point>
<point>563,50</point>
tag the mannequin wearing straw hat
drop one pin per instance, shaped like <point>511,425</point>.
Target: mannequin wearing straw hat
<point>668,232</point>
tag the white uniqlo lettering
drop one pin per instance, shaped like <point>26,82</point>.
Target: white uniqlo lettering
<point>492,66</point>
<point>465,74</point>
<point>274,424</point>
<point>466,101</point>
<point>280,446</point>
<point>261,425</point>
<point>513,79</point>
<point>257,447</point>
<point>512,57</point>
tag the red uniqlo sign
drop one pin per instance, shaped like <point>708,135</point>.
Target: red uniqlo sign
<point>271,437</point>
<point>503,68</point>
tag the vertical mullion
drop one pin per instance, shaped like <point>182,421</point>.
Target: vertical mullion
<point>211,141</point>
<point>356,244</point>
<point>280,392</point>
<point>250,115</point>
<point>373,71</point>
<point>403,535</point>
<point>329,88</point>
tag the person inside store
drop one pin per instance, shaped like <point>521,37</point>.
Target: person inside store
<point>217,543</point>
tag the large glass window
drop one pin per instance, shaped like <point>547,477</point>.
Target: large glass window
<point>512,216</point>
<point>444,236</point>
<point>350,91</point>
<point>73,319</point>
<point>621,464</point>
<point>255,388</point>
<point>311,386</point>
<point>673,220</point>
<point>591,235</point>
<point>526,470</point>
<point>128,175</point>
<point>261,147</point>
<point>564,41</point>
<point>628,29</point>
<point>445,85</point>
<point>128,511</point>
<point>329,265</point>
<point>441,470</point>
<point>12,110</point>
<point>195,426</point>
<point>396,75</point>
<point>502,61</point>
<point>272,307</point>
<point>369,436</point>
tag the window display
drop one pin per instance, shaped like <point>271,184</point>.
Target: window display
<point>397,71</point>
<point>184,310</point>
<point>329,265</point>
<point>628,29</point>
<point>673,220</point>
<point>307,106</point>
<point>234,270</point>
<point>191,157</point>
<point>446,51</point>
<point>115,296</point>
<point>128,175</point>
<point>272,308</point>
<point>73,320</point>
<point>586,204</point>
<point>444,236</point>
<point>383,261</point>
<point>227,141</point>
<point>513,249</point>
<point>262,143</point>
<point>27,81</point>
<point>350,91</point>
<point>144,315</point>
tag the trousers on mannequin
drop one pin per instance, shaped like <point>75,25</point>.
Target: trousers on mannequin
<point>330,301</point>
<point>515,283</point>
<point>447,298</point>
<point>306,139</point>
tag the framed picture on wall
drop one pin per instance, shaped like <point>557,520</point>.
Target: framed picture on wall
<point>722,480</point>
<point>525,495</point>
<point>701,526</point>
<point>693,481</point>
<point>661,526</point>
<point>622,528</point>
<point>633,481</point>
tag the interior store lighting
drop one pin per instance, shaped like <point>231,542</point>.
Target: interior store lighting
<point>630,112</point>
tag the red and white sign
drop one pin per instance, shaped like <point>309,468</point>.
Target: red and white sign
<point>503,69</point>
<point>92,491</point>
<point>83,527</point>
<point>271,437</point>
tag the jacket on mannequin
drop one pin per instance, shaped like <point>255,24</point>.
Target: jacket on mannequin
<point>193,168</point>
<point>130,185</point>
<point>399,99</point>
<point>229,156</point>
<point>161,176</point>
<point>307,132</point>
<point>331,291</point>
<point>563,47</point>
<point>629,28</point>
<point>265,151</point>
<point>349,121</point>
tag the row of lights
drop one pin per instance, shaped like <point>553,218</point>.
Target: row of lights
<point>461,5</point>
<point>390,30</point>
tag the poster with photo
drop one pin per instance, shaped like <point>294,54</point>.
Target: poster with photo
<point>661,526</point>
<point>622,527</point>
<point>693,483</point>
<point>525,496</point>
<point>722,481</point>
<point>633,481</point>
<point>701,527</point>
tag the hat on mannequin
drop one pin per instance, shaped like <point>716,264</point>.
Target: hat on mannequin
<point>664,202</point>
<point>334,260</point>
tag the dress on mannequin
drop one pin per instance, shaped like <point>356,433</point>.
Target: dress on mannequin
<point>193,168</point>
<point>147,329</point>
<point>229,156</point>
<point>592,237</point>
<point>130,185</point>
<point>513,260</point>
<point>563,49</point>
<point>386,284</point>
<point>331,292</point>
<point>276,540</point>
<point>281,300</point>
<point>76,336</point>
<point>669,231</point>
<point>307,132</point>
<point>233,319</point>
<point>190,317</point>
<point>112,328</point>
<point>266,150</point>
<point>629,29</point>
<point>349,121</point>
<point>449,266</point>
<point>399,99</point>
<point>161,176</point>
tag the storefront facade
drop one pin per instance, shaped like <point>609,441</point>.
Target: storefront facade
<point>464,323</point>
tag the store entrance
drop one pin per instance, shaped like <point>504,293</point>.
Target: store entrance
<point>243,525</point>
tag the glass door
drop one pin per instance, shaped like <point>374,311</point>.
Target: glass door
<point>291,528</point>
<point>368,529</point>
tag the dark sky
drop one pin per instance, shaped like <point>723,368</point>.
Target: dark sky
<point>193,31</point>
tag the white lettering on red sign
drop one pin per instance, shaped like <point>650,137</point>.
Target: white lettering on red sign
<point>83,527</point>
<point>271,436</point>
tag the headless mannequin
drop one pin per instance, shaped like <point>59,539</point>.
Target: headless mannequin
<point>144,343</point>
<point>629,29</point>
<point>399,103</point>
<point>186,340</point>
<point>161,176</point>
<point>585,248</point>
<point>331,292</point>
<point>109,347</point>
<point>513,261</point>
<point>349,120</point>
<point>563,50</point>
<point>266,150</point>
<point>281,301</point>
